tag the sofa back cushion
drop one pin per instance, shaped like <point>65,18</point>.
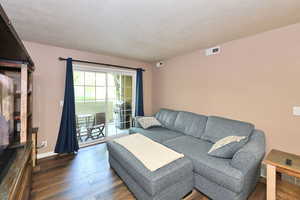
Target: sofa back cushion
<point>190,123</point>
<point>218,128</point>
<point>167,117</point>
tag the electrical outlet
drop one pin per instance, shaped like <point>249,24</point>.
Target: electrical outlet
<point>298,181</point>
<point>263,170</point>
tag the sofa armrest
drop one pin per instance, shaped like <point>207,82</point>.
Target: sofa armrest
<point>250,156</point>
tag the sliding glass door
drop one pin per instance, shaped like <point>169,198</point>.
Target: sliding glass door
<point>104,101</point>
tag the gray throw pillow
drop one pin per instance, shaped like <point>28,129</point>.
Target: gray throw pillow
<point>136,122</point>
<point>228,146</point>
<point>148,122</point>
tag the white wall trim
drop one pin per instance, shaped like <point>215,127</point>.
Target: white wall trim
<point>45,155</point>
<point>50,153</point>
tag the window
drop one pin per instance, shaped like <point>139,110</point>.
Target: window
<point>91,86</point>
<point>102,90</point>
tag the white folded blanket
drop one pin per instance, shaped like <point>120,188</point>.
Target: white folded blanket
<point>152,154</point>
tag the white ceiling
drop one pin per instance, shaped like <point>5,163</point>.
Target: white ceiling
<point>148,30</point>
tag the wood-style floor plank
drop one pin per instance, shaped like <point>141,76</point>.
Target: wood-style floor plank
<point>87,176</point>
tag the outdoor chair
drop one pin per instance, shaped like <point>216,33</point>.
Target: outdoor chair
<point>96,126</point>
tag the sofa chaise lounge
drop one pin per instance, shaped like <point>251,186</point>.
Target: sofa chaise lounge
<point>191,135</point>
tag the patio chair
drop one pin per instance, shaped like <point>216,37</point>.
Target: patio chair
<point>99,125</point>
<point>83,123</point>
<point>96,126</point>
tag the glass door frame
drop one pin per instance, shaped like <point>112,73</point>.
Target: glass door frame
<point>106,70</point>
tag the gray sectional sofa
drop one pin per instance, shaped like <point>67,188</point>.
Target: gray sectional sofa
<point>191,134</point>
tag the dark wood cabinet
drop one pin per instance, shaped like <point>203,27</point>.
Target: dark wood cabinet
<point>16,63</point>
<point>16,184</point>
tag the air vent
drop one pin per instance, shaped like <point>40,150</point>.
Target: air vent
<point>212,51</point>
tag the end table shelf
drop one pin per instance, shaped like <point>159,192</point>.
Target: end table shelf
<point>276,161</point>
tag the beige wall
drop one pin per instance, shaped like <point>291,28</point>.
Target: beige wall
<point>255,79</point>
<point>49,79</point>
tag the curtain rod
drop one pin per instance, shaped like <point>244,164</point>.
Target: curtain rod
<point>96,63</point>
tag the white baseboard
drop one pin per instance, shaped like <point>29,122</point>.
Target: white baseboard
<point>45,155</point>
<point>51,153</point>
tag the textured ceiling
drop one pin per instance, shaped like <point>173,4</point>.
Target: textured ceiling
<point>148,30</point>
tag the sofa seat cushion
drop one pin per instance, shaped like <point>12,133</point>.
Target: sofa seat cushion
<point>158,134</point>
<point>217,170</point>
<point>218,128</point>
<point>190,123</point>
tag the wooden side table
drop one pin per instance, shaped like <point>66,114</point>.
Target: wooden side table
<point>276,161</point>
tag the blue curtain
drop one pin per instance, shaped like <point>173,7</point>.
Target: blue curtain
<point>139,101</point>
<point>67,139</point>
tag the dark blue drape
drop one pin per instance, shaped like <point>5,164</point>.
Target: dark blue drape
<point>67,140</point>
<point>139,101</point>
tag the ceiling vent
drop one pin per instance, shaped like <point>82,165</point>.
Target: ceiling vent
<point>212,51</point>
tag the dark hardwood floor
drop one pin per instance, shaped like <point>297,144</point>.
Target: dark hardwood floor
<point>87,176</point>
